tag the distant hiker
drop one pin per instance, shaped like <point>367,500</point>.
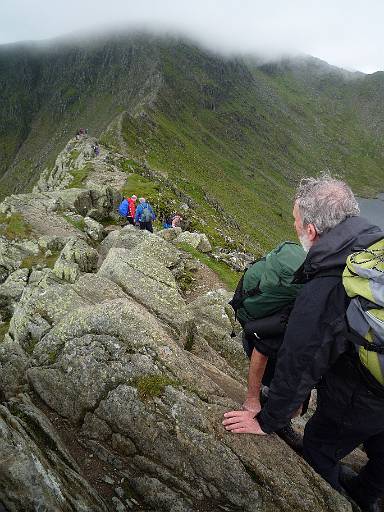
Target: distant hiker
<point>172,221</point>
<point>131,209</point>
<point>127,209</point>
<point>144,215</point>
<point>335,340</point>
<point>262,303</point>
<point>96,149</point>
<point>176,221</point>
<point>124,210</point>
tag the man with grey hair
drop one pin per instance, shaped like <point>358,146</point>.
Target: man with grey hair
<point>316,350</point>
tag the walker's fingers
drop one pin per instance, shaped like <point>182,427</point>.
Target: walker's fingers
<point>233,414</point>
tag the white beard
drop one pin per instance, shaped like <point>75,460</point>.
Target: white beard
<point>305,242</point>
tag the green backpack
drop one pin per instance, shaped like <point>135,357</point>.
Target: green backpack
<point>363,280</point>
<point>266,286</point>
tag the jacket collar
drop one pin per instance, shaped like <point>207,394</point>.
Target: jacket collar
<point>330,252</point>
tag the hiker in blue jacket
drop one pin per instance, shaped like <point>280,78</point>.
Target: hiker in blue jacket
<point>144,215</point>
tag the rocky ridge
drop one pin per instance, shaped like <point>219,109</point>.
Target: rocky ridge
<point>103,338</point>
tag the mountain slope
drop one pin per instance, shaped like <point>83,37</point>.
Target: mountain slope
<point>51,91</point>
<point>231,134</point>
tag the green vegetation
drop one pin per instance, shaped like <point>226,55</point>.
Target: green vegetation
<point>40,259</point>
<point>30,345</point>
<point>188,345</point>
<point>140,186</point>
<point>14,226</point>
<point>4,326</point>
<point>186,280</point>
<point>151,386</point>
<point>80,175</point>
<point>228,276</point>
<point>52,356</point>
<point>108,140</point>
<point>79,224</point>
<point>74,154</point>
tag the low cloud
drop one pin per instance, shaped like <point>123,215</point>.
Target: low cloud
<point>345,33</point>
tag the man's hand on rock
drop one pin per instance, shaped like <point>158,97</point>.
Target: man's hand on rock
<point>252,404</point>
<point>242,422</point>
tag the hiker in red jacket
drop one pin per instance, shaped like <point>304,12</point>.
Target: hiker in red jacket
<point>131,208</point>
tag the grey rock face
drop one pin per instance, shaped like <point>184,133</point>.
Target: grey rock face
<point>76,257</point>
<point>36,470</point>
<point>11,291</point>
<point>142,377</point>
<point>170,234</point>
<point>126,238</point>
<point>196,240</point>
<point>149,282</point>
<point>214,319</point>
<point>239,261</point>
<point>11,256</point>
<point>94,229</point>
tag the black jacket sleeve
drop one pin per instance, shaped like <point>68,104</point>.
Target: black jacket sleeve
<point>313,341</point>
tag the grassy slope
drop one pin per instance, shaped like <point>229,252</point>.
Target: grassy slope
<point>244,135</point>
<point>233,135</point>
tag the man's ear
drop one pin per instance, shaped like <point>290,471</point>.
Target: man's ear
<point>312,232</point>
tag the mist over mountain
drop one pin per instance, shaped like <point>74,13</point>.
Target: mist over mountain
<point>228,129</point>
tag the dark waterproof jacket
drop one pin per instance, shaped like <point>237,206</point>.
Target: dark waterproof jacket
<point>315,338</point>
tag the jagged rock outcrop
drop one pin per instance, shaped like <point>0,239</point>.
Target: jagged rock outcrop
<point>239,261</point>
<point>11,291</point>
<point>94,229</point>
<point>145,378</point>
<point>76,257</point>
<point>103,339</point>
<point>196,240</point>
<point>36,470</point>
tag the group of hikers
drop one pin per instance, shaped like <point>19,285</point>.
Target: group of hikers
<point>143,215</point>
<point>80,132</point>
<point>95,147</point>
<point>313,317</point>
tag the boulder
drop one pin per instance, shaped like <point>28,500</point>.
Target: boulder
<point>94,229</point>
<point>46,301</point>
<point>126,238</point>
<point>67,270</point>
<point>170,234</point>
<point>11,256</point>
<point>196,240</point>
<point>76,257</point>
<point>11,291</point>
<point>149,282</point>
<point>157,248</point>
<point>239,261</point>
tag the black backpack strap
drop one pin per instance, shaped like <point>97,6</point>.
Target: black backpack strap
<point>356,338</point>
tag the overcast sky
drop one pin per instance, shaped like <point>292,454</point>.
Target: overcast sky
<point>346,33</point>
